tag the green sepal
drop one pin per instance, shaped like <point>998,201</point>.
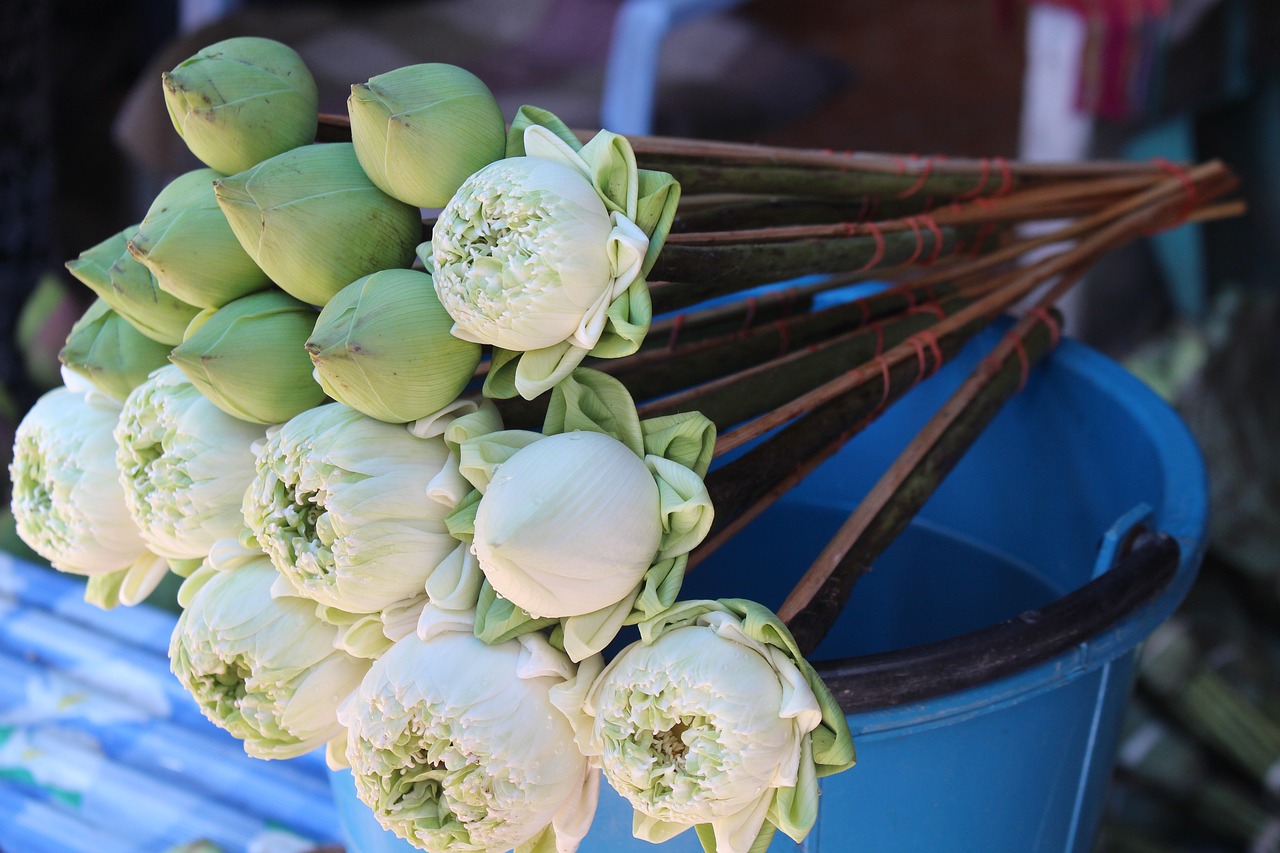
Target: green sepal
<point>500,380</point>
<point>103,591</point>
<point>688,438</point>
<point>658,592</point>
<point>498,620</point>
<point>612,164</point>
<point>683,505</point>
<point>707,837</point>
<point>527,116</point>
<point>480,456</point>
<point>655,211</point>
<point>596,402</point>
<point>184,568</point>
<point>626,323</point>
<point>461,522</point>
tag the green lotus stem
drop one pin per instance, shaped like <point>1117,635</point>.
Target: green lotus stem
<point>726,213</point>
<point>735,320</point>
<point>691,273</point>
<point>1201,699</point>
<point>817,600</point>
<point>649,374</point>
<point>764,178</point>
<point>770,363</point>
<point>738,397</point>
<point>745,487</point>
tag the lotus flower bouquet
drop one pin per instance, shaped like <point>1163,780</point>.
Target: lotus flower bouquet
<point>421,472</point>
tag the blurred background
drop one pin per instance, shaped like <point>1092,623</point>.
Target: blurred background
<point>86,144</point>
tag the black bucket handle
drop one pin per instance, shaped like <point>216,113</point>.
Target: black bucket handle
<point>920,672</point>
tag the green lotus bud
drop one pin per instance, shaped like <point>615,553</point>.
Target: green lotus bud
<point>421,130</point>
<point>315,222</point>
<point>110,353</point>
<point>383,347</point>
<point>186,242</point>
<point>131,290</point>
<point>248,358</point>
<point>240,101</point>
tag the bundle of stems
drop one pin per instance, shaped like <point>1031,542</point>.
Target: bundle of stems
<point>1175,667</point>
<point>942,239</point>
<point>1163,759</point>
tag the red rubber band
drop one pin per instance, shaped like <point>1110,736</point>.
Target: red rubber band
<point>1051,322</point>
<point>1188,187</point>
<point>931,340</point>
<point>884,375</point>
<point>879,327</point>
<point>1023,362</point>
<point>937,238</point>
<point>676,325</point>
<point>749,317</point>
<point>921,361</point>
<point>982,182</point>
<point>865,308</point>
<point>878,255</point>
<point>920,181</point>
<point>1006,177</point>
<point>928,308</point>
<point>915,229</point>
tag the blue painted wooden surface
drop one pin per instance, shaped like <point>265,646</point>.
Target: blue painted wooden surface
<point>102,751</point>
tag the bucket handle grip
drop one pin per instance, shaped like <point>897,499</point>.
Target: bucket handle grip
<point>909,675</point>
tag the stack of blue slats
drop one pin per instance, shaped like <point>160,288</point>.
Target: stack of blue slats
<point>102,751</point>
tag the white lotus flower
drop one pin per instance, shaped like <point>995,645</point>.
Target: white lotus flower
<point>526,256</point>
<point>711,720</point>
<point>569,524</point>
<point>262,667</point>
<point>68,504</point>
<point>184,465</point>
<point>456,746</point>
<point>341,503</point>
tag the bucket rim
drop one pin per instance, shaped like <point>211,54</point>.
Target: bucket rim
<point>886,691</point>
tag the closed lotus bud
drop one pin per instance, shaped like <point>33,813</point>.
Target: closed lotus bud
<point>421,130</point>
<point>313,220</point>
<point>248,357</point>
<point>131,290</point>
<point>186,242</point>
<point>569,524</point>
<point>113,355</point>
<point>383,347</point>
<point>241,101</point>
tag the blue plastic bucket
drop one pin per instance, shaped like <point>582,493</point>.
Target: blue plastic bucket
<point>1009,549</point>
